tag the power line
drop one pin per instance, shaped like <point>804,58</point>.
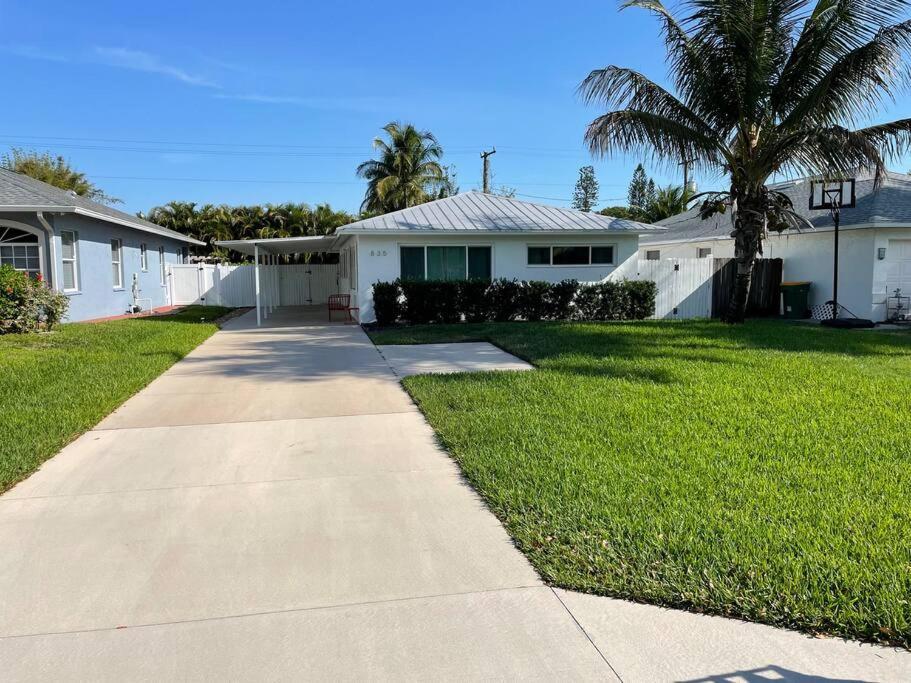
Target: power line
<point>229,180</point>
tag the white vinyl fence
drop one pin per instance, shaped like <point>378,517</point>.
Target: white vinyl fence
<point>684,286</point>
<point>234,285</point>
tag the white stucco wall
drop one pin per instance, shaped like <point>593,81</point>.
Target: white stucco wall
<point>378,259</point>
<point>808,256</point>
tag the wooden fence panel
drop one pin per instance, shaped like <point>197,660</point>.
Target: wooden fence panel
<point>765,287</point>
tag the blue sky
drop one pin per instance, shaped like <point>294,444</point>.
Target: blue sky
<point>226,102</point>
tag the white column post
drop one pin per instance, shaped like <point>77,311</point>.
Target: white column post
<point>259,320</point>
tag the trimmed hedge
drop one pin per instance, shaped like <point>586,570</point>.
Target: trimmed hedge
<point>448,301</point>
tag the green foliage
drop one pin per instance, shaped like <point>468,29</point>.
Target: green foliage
<point>617,212</point>
<point>585,194</point>
<point>637,194</point>
<point>54,387</point>
<point>408,171</point>
<point>447,301</point>
<point>386,302</point>
<point>210,223</point>
<point>53,170</point>
<point>27,304</point>
<point>758,471</point>
<point>758,89</point>
<point>668,201</point>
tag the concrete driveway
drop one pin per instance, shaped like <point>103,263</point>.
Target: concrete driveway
<point>275,507</point>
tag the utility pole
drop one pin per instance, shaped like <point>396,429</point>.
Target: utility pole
<point>486,160</point>
<point>686,172</point>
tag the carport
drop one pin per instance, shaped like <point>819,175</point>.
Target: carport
<point>265,253</point>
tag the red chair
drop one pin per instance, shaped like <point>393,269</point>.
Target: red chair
<point>339,302</point>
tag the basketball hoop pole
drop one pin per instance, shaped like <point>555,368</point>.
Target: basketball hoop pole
<point>835,211</point>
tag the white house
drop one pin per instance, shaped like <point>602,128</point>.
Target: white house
<point>485,236</point>
<point>469,235</point>
<point>874,252</point>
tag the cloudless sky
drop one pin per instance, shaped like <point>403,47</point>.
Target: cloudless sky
<point>226,102</point>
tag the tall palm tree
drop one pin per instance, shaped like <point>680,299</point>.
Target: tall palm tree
<point>762,86</point>
<point>407,171</point>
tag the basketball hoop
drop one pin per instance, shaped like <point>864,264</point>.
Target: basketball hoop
<point>833,196</point>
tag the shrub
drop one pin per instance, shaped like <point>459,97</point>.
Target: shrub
<point>474,302</point>
<point>386,297</point>
<point>429,301</point>
<point>611,300</point>
<point>502,300</point>
<point>26,303</point>
<point>560,299</point>
<point>504,297</point>
<point>534,300</point>
<point>642,294</point>
<point>418,308</point>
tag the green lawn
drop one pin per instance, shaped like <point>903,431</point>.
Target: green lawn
<point>760,471</point>
<point>57,385</point>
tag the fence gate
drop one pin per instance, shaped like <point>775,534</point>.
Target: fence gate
<point>684,286</point>
<point>234,285</point>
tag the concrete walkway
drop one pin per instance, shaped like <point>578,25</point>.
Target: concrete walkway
<point>275,507</point>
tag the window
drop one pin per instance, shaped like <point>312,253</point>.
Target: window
<point>117,263</point>
<point>20,250</point>
<point>574,255</point>
<point>412,263</point>
<point>162,270</point>
<point>603,256</point>
<point>143,258</point>
<point>653,255</point>
<point>703,252</point>
<point>445,263</point>
<point>68,242</point>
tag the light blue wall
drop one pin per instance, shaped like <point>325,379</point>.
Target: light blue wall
<point>96,296</point>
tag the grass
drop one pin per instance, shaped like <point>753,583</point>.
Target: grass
<point>761,471</point>
<point>55,386</point>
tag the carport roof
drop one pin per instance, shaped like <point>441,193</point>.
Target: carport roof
<point>283,245</point>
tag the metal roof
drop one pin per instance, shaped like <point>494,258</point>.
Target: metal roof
<point>488,213</point>
<point>20,193</point>
<point>283,245</point>
<point>888,206</point>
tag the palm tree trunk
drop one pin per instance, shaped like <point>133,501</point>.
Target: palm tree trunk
<point>748,231</point>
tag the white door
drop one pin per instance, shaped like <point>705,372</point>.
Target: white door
<point>898,267</point>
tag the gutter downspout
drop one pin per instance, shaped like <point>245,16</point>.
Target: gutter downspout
<point>52,249</point>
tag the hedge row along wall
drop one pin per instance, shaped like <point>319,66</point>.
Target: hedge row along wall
<point>451,301</point>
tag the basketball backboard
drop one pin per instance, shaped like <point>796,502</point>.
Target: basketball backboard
<point>826,194</point>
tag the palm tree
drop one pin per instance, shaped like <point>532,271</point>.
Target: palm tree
<point>406,173</point>
<point>668,201</point>
<point>762,86</point>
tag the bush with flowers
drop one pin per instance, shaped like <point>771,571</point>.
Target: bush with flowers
<point>27,304</point>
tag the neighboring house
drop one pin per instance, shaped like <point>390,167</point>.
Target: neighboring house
<point>86,250</point>
<point>874,245</point>
<point>477,235</point>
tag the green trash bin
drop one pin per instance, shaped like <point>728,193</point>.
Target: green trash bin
<point>796,296</point>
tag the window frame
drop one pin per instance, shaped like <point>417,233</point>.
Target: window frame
<point>143,257</point>
<point>649,252</point>
<point>462,245</point>
<point>162,267</point>
<point>551,246</point>
<point>74,260</point>
<point>5,227</point>
<point>118,262</point>
<point>699,253</point>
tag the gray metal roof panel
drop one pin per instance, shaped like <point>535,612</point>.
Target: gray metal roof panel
<point>479,212</point>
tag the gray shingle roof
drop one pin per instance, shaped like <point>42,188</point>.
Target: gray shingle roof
<point>889,206</point>
<point>19,192</point>
<point>479,212</point>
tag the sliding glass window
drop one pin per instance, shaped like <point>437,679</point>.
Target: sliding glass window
<point>445,263</point>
